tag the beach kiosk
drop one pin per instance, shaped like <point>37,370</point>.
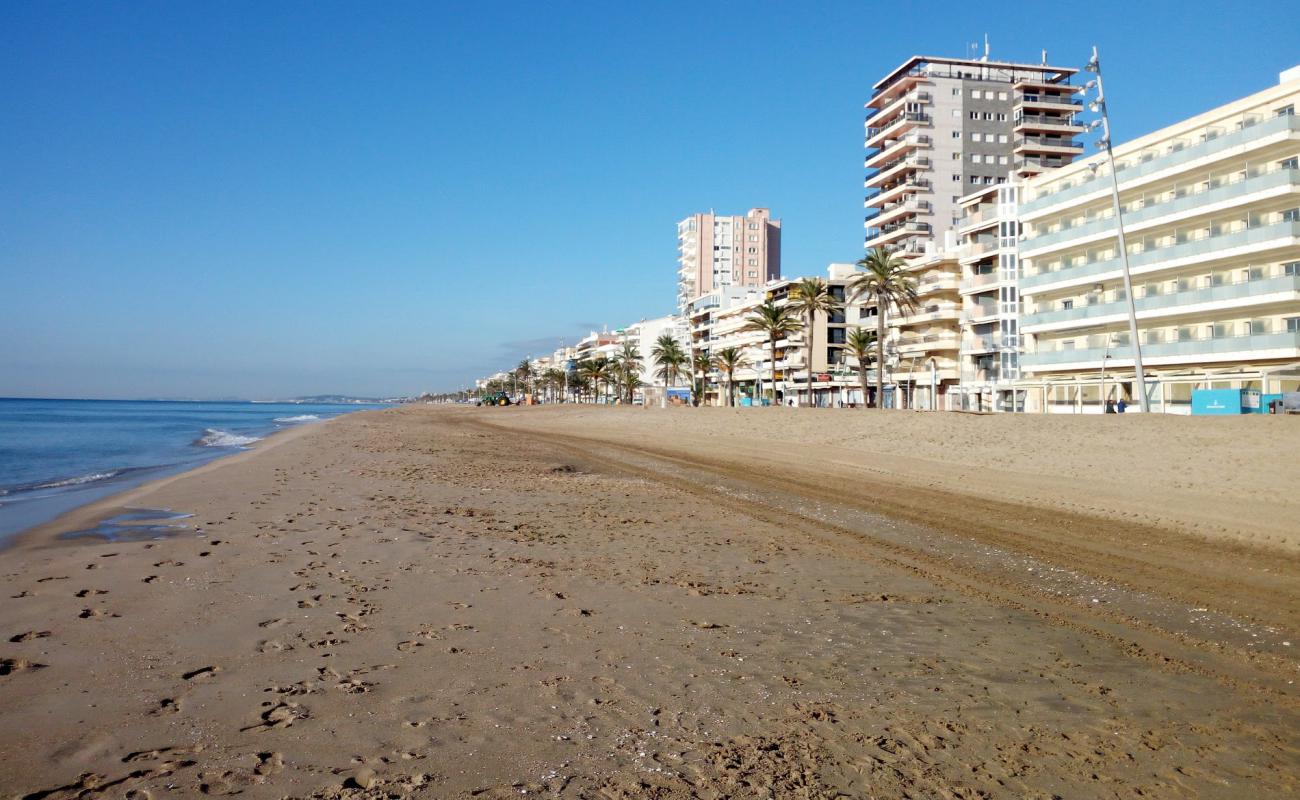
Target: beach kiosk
<point>1226,401</point>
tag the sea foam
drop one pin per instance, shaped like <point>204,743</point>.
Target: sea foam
<point>217,438</point>
<point>299,418</point>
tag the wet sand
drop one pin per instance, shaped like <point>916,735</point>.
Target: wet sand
<point>625,602</point>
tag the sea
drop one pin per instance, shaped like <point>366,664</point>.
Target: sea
<point>58,454</point>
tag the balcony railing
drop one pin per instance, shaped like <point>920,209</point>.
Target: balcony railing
<point>907,116</point>
<point>1190,350</point>
<point>1209,147</point>
<point>983,280</point>
<point>1047,141</point>
<point>1259,287</point>
<point>1190,202</point>
<point>1047,120</point>
<point>1151,258</point>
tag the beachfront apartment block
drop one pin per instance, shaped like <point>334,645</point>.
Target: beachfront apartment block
<point>940,128</point>
<point>923,344</point>
<point>1211,212</point>
<point>987,253</point>
<point>716,251</point>
<point>719,320</point>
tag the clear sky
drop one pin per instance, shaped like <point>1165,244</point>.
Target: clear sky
<point>274,199</point>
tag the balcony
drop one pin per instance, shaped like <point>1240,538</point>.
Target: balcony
<point>892,211</point>
<point>891,150</point>
<point>1044,144</point>
<point>929,313</point>
<point>1286,180</point>
<point>891,170</point>
<point>980,312</point>
<point>1048,102</point>
<point>946,283</point>
<point>912,185</point>
<point>888,233</point>
<point>928,343</point>
<point>1247,136</point>
<point>1258,346</point>
<point>904,121</point>
<point>1047,122</point>
<point>986,216</point>
<point>972,251</point>
<point>1263,290</point>
<point>988,343</point>
<point>1024,163</point>
<point>1262,237</point>
<point>983,281</point>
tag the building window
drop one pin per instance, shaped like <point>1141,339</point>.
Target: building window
<point>1291,268</point>
<point>974,115</point>
<point>976,158</point>
<point>1002,159</point>
<point>1002,138</point>
<point>956,156</point>
<point>956,177</point>
<point>1002,95</point>
<point>1066,305</point>
<point>977,137</point>
<point>1002,117</point>
<point>753,274</point>
<point>956,134</point>
<point>753,262</point>
<point>975,94</point>
<point>753,226</point>
<point>956,112</point>
<point>1285,111</point>
<point>974,179</point>
<point>1291,215</point>
<point>1291,163</point>
<point>956,91</point>
<point>988,116</point>
<point>1292,324</point>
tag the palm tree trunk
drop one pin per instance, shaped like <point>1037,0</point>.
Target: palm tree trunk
<point>880,354</point>
<point>772,342</point>
<point>862,379</point>
<point>811,317</point>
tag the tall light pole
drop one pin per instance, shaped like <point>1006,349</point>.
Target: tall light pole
<point>1099,105</point>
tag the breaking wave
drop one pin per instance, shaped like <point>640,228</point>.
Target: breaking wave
<point>217,438</point>
<point>299,418</point>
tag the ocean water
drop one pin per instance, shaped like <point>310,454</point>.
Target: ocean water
<point>58,454</point>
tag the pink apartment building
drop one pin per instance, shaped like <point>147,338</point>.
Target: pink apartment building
<point>714,251</point>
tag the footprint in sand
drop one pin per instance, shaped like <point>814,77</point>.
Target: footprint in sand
<point>200,673</point>
<point>96,613</point>
<point>89,592</point>
<point>9,666</point>
<point>28,636</point>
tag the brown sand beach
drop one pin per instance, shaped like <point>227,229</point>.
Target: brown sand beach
<point>625,602</point>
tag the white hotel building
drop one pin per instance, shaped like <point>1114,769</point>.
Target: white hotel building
<point>1211,212</point>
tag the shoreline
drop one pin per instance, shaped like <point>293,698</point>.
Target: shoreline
<point>84,515</point>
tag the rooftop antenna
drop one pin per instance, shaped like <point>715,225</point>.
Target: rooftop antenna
<point>1044,56</point>
<point>986,47</point>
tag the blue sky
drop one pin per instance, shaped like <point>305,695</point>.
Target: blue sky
<point>273,199</point>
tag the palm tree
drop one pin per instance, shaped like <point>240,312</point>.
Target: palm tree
<point>553,379</point>
<point>728,360</point>
<point>807,297</point>
<point>601,371</point>
<point>700,366</point>
<point>778,322</point>
<point>629,366</point>
<point>885,281</point>
<point>859,343</point>
<point>524,372</point>
<point>667,353</point>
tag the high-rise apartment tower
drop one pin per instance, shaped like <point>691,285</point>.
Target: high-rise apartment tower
<point>714,251</point>
<point>941,128</point>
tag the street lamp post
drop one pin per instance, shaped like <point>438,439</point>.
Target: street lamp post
<point>1099,105</point>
